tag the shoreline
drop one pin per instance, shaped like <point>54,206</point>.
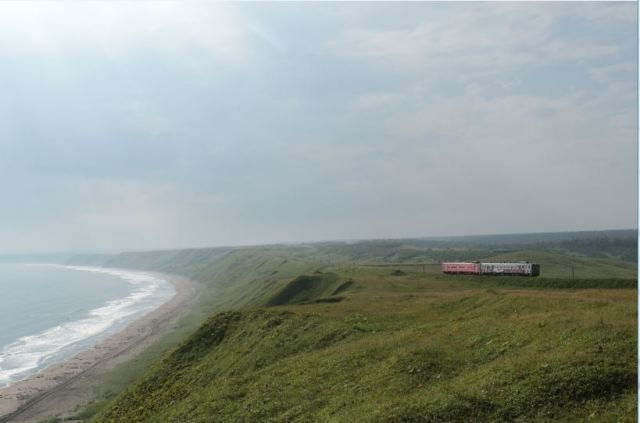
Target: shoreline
<point>62,388</point>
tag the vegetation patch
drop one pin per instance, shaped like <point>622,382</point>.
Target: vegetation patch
<point>355,343</point>
<point>343,287</point>
<point>551,283</point>
<point>306,289</point>
<point>454,408</point>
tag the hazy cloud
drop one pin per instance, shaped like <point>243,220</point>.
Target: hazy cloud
<point>130,125</point>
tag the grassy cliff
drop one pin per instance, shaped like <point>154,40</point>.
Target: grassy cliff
<point>310,333</point>
<point>401,348</point>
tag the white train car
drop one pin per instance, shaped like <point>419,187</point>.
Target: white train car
<point>510,269</point>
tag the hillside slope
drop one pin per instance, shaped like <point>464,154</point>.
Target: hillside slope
<point>321,332</point>
<point>401,348</point>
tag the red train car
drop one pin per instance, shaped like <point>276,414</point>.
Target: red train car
<point>461,268</point>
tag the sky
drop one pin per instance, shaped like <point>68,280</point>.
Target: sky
<point>152,125</point>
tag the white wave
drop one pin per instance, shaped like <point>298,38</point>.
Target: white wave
<point>29,353</point>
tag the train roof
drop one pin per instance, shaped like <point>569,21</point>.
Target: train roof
<point>490,262</point>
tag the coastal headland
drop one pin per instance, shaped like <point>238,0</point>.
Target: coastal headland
<point>372,330</point>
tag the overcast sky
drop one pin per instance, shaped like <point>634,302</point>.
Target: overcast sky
<point>155,125</point>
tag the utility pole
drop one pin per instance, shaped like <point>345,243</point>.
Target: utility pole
<point>573,273</point>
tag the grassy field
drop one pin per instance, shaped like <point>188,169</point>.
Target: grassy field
<point>310,334</point>
<point>230,279</point>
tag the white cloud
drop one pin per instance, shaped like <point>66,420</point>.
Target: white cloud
<point>548,159</point>
<point>491,36</point>
<point>613,72</point>
<point>125,27</point>
<point>444,118</point>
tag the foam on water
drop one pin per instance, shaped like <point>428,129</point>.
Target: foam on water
<point>29,354</point>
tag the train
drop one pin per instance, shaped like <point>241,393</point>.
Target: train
<point>520,268</point>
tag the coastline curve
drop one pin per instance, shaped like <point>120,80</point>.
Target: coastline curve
<point>61,388</point>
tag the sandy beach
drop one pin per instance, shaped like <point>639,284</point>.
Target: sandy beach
<point>61,389</point>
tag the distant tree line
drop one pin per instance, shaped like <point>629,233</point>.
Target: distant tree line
<point>421,250</point>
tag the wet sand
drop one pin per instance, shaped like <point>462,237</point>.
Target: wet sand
<point>63,388</point>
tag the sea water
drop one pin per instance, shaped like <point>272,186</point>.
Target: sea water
<point>51,312</point>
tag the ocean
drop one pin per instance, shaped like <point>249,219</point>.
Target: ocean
<point>50,312</point>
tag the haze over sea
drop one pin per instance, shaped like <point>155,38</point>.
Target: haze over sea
<point>50,312</point>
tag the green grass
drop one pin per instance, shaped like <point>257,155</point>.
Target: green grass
<point>554,265</point>
<point>395,348</point>
<point>230,279</point>
<point>343,342</point>
<point>319,287</point>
